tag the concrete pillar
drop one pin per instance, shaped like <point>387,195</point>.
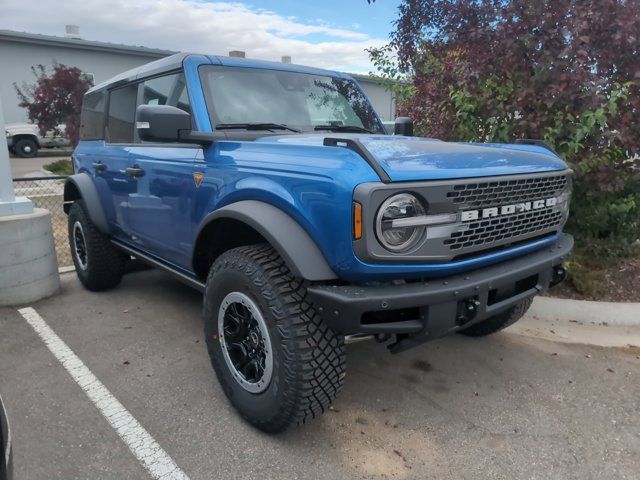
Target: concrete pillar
<point>28,264</point>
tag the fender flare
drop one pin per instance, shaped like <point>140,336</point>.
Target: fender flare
<point>81,186</point>
<point>291,241</point>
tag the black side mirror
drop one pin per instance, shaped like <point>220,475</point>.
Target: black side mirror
<point>162,123</point>
<point>403,126</point>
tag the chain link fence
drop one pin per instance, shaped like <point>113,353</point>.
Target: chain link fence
<point>47,192</point>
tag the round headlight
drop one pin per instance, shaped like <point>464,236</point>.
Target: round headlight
<point>398,238</point>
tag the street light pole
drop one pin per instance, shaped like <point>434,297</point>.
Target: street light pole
<point>9,204</point>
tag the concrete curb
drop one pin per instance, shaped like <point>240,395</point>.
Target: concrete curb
<point>585,311</point>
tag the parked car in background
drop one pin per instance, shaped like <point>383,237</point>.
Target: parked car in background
<point>275,190</point>
<point>6,468</point>
<point>24,139</point>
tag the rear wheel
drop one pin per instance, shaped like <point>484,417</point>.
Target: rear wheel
<point>498,322</point>
<point>277,362</point>
<point>25,148</point>
<point>99,265</point>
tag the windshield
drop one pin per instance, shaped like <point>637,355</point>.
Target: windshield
<point>300,101</point>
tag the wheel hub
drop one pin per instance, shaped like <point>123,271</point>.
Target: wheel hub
<point>245,342</point>
<point>80,245</point>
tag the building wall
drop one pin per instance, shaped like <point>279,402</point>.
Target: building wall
<point>16,60</point>
<point>381,98</point>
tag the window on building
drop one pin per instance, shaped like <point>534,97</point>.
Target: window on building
<point>122,111</point>
<point>87,77</point>
<point>92,116</point>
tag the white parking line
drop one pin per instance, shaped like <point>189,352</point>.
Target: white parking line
<point>142,445</point>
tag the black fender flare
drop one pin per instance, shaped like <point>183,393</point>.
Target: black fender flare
<point>81,186</point>
<point>291,241</point>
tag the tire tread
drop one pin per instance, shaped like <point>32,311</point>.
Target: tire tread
<point>314,354</point>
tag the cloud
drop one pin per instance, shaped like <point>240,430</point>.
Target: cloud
<point>197,26</point>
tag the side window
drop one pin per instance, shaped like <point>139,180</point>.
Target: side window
<point>92,116</point>
<point>122,111</point>
<point>167,90</point>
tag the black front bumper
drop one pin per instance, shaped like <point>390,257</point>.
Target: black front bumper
<point>438,307</point>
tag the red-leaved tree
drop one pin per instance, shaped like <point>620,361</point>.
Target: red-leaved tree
<point>565,71</point>
<point>55,99</point>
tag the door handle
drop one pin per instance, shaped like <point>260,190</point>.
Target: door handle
<point>134,171</point>
<point>99,166</point>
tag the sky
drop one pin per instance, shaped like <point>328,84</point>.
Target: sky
<point>322,33</point>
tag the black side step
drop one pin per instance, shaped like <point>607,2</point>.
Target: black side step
<point>357,146</point>
<point>148,259</point>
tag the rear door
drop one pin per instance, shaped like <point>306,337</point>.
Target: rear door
<point>111,165</point>
<point>158,213</point>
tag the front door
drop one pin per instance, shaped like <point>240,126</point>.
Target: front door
<point>157,214</point>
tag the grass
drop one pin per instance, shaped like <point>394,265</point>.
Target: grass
<point>60,167</point>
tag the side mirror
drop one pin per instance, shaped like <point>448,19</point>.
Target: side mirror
<point>403,126</point>
<point>162,123</point>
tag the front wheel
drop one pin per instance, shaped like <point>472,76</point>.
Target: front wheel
<point>277,362</point>
<point>498,322</point>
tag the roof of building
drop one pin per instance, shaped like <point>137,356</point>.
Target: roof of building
<point>38,39</point>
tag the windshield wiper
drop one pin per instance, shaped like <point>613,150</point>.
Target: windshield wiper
<point>255,126</point>
<point>342,128</point>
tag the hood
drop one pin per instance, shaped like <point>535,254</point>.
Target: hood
<point>414,158</point>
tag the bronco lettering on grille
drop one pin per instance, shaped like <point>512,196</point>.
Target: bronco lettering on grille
<point>470,215</point>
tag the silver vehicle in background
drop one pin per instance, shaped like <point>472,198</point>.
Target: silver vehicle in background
<point>24,139</point>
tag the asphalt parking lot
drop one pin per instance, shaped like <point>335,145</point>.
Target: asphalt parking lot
<point>29,167</point>
<point>508,406</point>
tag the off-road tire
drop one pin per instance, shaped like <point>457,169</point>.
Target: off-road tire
<point>498,322</point>
<point>105,264</point>
<point>25,148</point>
<point>308,357</point>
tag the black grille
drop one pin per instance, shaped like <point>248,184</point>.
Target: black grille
<point>497,230</point>
<point>489,194</point>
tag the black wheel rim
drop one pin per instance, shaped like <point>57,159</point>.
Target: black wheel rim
<point>245,342</point>
<point>80,245</point>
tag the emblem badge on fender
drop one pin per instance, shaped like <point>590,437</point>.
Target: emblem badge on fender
<point>197,177</point>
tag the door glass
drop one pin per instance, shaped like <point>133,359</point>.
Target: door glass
<point>122,111</point>
<point>167,90</point>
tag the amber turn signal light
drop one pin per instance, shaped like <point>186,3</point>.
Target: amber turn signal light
<point>357,221</point>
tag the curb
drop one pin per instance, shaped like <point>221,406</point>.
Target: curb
<point>585,311</point>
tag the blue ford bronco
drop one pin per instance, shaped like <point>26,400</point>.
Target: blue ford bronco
<point>275,190</point>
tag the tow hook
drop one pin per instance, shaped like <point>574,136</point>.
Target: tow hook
<point>559,274</point>
<point>467,310</point>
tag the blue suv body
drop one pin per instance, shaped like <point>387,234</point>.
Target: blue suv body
<point>192,159</point>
